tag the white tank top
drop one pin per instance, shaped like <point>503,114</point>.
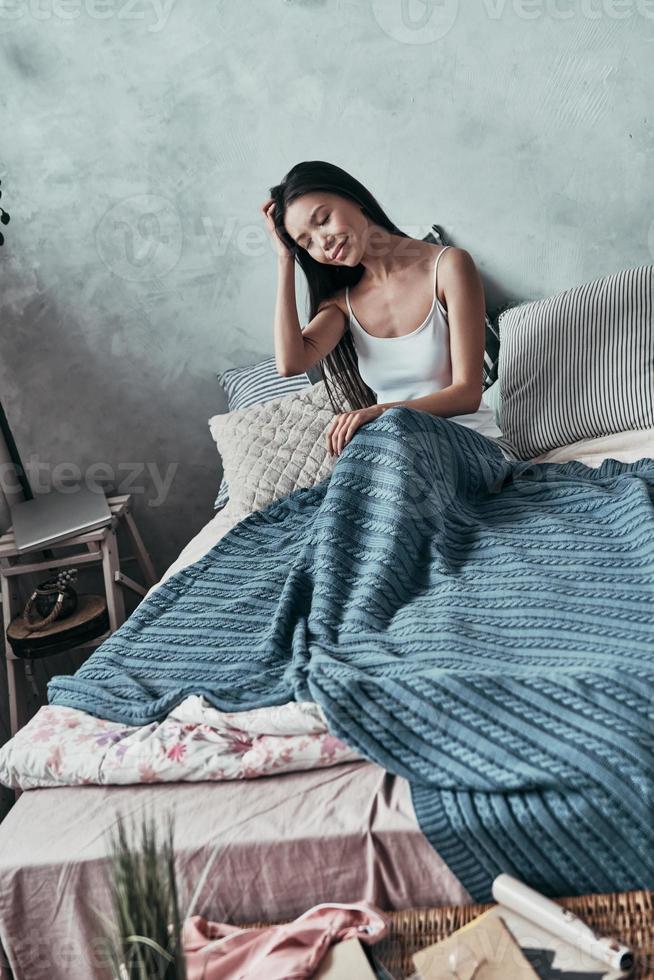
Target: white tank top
<point>415,364</point>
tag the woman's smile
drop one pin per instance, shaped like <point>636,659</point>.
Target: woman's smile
<point>340,251</point>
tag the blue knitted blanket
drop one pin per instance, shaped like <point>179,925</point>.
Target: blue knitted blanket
<point>481,627</point>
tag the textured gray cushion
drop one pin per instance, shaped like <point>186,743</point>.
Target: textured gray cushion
<point>580,364</point>
<point>252,385</point>
<point>272,449</point>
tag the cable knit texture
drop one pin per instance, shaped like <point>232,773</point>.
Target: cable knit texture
<point>482,627</point>
<point>270,450</point>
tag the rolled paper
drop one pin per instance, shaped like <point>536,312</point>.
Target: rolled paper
<point>561,922</point>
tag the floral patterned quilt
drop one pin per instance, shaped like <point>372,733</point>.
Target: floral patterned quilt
<point>63,746</point>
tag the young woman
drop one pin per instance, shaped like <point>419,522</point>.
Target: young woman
<point>394,319</point>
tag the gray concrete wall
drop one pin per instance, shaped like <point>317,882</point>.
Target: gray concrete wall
<point>139,140</point>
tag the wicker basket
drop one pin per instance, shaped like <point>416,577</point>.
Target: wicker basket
<point>628,916</point>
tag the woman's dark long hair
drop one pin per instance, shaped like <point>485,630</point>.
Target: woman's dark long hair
<point>325,280</point>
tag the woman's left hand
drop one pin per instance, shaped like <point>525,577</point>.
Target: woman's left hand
<point>345,425</point>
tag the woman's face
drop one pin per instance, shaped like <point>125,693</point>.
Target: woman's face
<point>332,229</point>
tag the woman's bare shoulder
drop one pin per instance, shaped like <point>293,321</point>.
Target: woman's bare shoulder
<point>456,266</point>
<point>456,257</point>
<point>452,250</point>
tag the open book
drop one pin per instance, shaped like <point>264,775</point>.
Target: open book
<point>525,936</point>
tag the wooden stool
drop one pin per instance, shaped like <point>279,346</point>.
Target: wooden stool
<point>99,545</point>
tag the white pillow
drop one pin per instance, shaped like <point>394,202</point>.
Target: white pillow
<point>492,396</point>
<point>270,450</point>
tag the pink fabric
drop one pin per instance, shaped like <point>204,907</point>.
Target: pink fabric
<point>285,843</point>
<point>218,951</point>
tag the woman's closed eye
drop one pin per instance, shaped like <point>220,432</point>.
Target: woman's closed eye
<point>320,223</point>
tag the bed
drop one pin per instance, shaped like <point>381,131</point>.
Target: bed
<point>347,822</point>
<point>343,832</point>
<point>340,833</point>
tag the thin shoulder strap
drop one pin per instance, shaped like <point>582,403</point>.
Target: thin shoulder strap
<point>438,258</point>
<point>347,300</point>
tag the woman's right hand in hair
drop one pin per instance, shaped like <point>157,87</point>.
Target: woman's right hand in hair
<point>268,210</point>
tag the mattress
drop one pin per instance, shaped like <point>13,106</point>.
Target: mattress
<point>343,833</point>
<point>287,842</point>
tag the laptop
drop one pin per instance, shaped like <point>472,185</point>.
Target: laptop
<point>53,516</point>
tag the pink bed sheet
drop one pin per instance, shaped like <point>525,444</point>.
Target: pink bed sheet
<point>290,841</point>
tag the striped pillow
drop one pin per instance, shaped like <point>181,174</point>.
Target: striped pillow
<point>492,345</point>
<point>580,364</point>
<point>255,384</point>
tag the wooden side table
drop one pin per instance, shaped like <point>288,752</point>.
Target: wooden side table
<point>100,546</point>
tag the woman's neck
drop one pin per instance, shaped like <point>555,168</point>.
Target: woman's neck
<point>386,254</point>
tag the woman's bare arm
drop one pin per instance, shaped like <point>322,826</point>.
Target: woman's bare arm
<point>466,313</point>
<point>289,345</point>
<point>297,350</point>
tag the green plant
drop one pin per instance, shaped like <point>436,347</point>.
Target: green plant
<point>145,936</point>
